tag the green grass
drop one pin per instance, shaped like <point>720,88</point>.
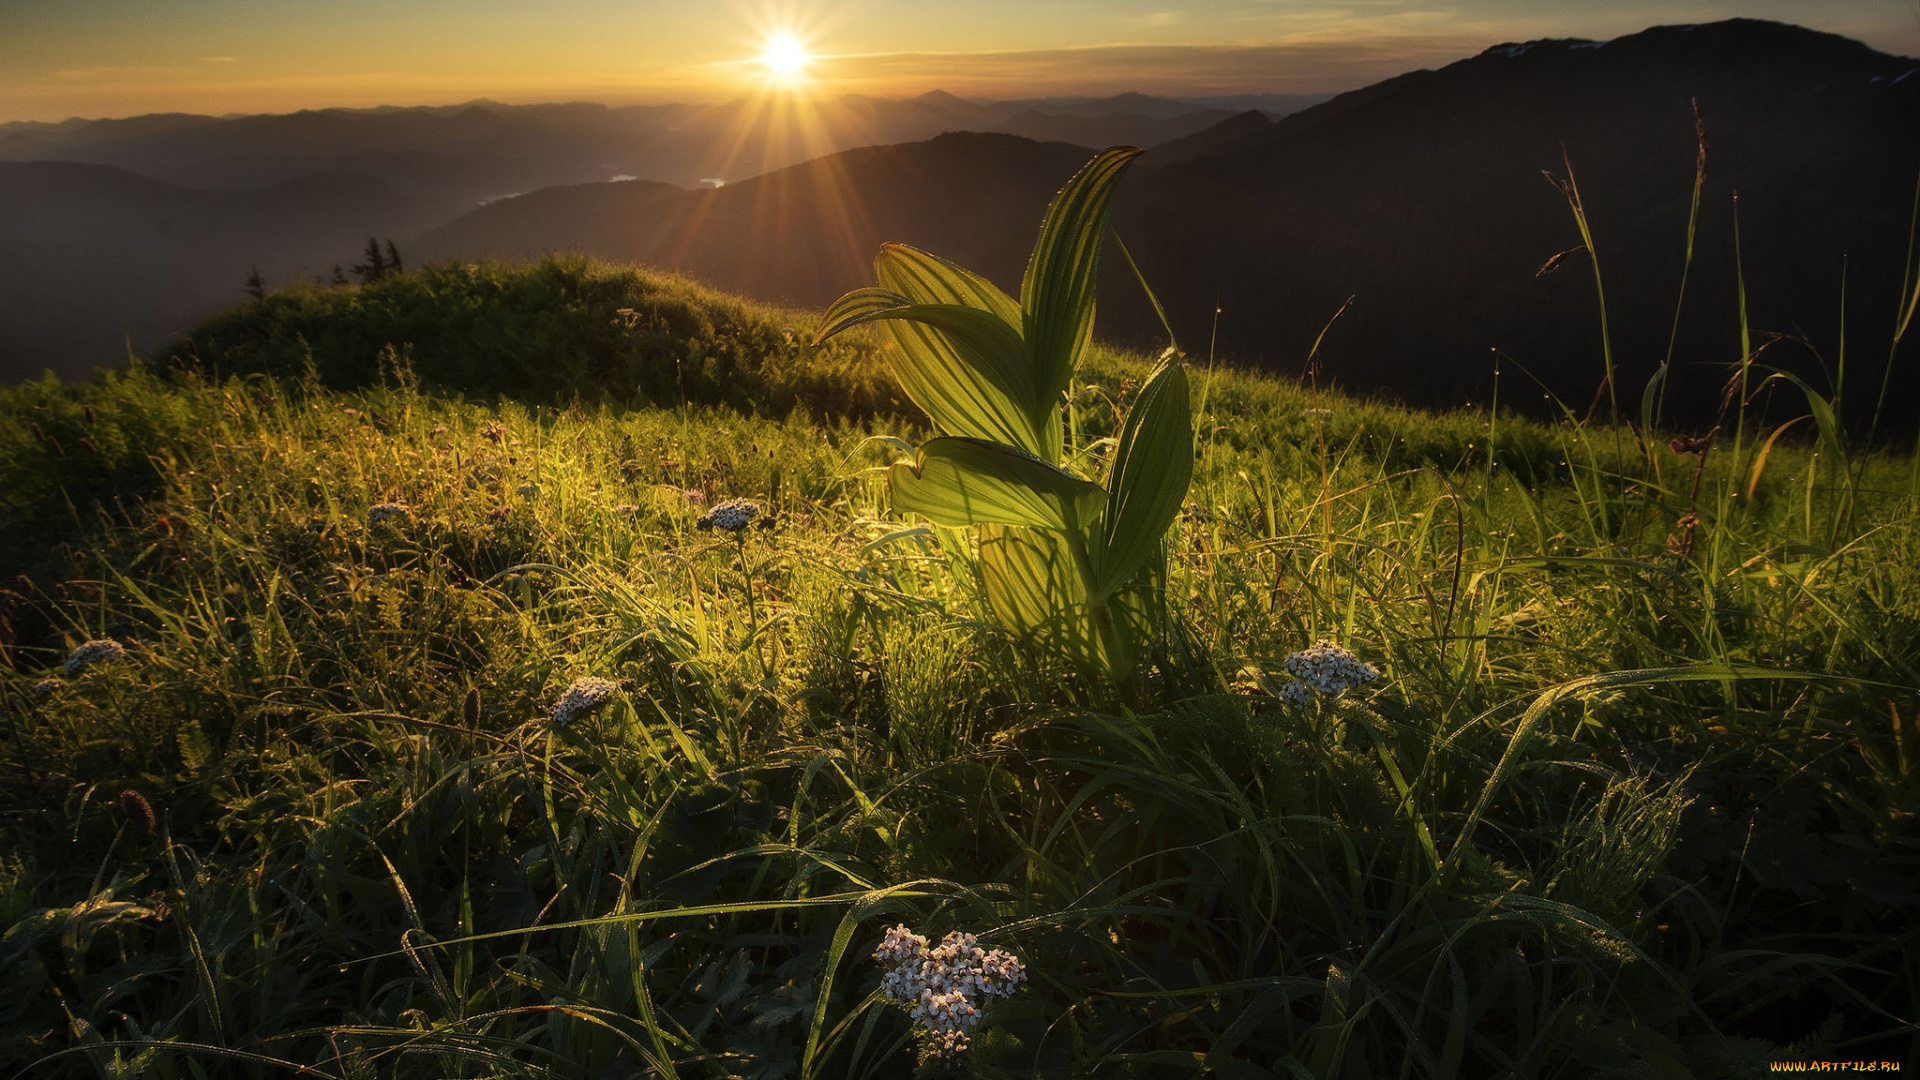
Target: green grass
<point>1627,798</point>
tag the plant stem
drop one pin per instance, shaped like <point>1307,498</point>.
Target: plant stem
<point>1100,614</point>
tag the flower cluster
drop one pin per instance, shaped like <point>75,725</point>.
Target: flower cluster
<point>387,511</point>
<point>98,651</point>
<point>582,698</point>
<point>47,687</point>
<point>1326,668</point>
<point>944,988</point>
<point>730,516</point>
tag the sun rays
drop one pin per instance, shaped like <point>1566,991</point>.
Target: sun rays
<point>786,59</point>
<point>788,117</point>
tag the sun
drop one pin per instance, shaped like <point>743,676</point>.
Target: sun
<point>785,58</point>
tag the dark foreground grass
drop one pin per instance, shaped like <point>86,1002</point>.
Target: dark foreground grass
<point>1633,797</point>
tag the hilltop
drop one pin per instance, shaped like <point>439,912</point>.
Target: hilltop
<point>252,192</point>
<point>381,691</point>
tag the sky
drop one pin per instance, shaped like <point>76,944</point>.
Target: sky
<point>111,58</point>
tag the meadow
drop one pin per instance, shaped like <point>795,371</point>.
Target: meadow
<point>1633,795</point>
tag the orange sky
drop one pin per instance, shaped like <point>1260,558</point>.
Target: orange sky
<point>62,58</point>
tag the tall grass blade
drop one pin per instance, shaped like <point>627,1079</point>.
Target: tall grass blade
<point>1903,314</point>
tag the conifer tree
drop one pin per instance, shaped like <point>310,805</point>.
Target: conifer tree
<point>375,266</point>
<point>393,258</point>
<point>256,287</point>
<point>339,275</point>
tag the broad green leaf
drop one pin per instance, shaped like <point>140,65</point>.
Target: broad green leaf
<point>968,371</point>
<point>1152,467</point>
<point>857,307</point>
<point>959,481</point>
<point>929,279</point>
<point>1035,590</point>
<point>1057,293</point>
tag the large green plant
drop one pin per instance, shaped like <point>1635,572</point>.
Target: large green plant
<point>1068,564</point>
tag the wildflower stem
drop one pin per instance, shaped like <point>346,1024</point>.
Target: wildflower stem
<point>753,603</point>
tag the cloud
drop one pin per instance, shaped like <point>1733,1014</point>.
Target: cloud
<point>1304,66</point>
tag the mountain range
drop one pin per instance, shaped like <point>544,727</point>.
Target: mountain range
<point>204,200</point>
<point>1421,198</point>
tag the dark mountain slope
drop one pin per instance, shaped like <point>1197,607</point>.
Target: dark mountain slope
<point>800,235</point>
<point>571,217</point>
<point>1423,197</point>
<point>97,256</point>
<point>1236,130</point>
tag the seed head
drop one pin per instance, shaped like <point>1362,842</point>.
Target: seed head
<point>97,651</point>
<point>137,811</point>
<point>470,708</point>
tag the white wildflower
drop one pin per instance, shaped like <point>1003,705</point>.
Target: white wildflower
<point>527,491</point>
<point>582,698</point>
<point>47,687</point>
<point>944,988</point>
<point>98,651</point>
<point>1003,973</point>
<point>899,944</point>
<point>387,511</point>
<point>1326,668</point>
<point>950,1044</point>
<point>730,516</point>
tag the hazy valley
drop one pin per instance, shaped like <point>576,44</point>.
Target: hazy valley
<point>1420,197</point>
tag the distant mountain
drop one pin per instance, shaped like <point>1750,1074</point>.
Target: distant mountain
<point>1237,130</point>
<point>97,255</point>
<point>254,189</point>
<point>456,156</point>
<point>1422,197</point>
<point>800,235</point>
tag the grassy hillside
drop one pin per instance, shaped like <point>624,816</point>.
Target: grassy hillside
<point>1635,791</point>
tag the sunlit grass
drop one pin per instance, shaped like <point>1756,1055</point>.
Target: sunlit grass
<point>1610,801</point>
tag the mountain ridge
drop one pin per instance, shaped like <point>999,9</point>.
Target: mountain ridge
<point>1421,196</point>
